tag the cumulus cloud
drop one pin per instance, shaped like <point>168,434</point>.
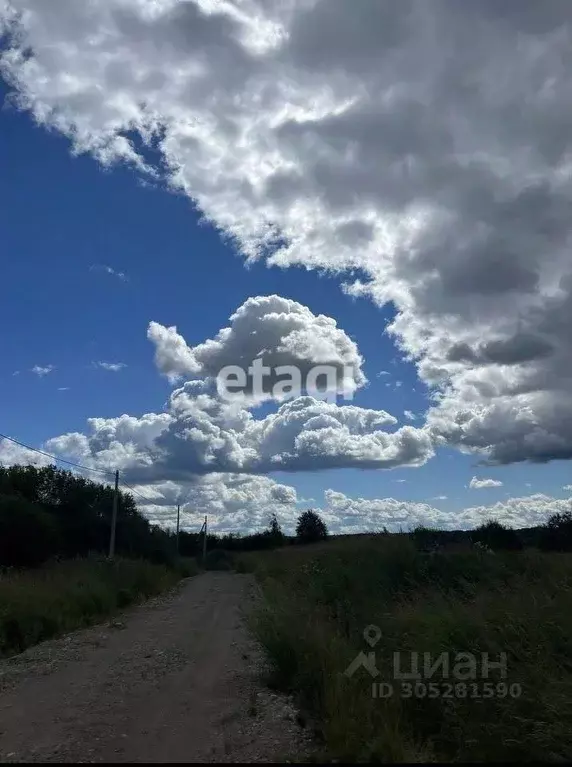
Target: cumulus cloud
<point>278,331</point>
<point>201,432</point>
<point>42,371</point>
<point>12,454</point>
<point>234,503</point>
<point>113,367</point>
<point>478,484</point>
<point>425,146</point>
<point>347,515</point>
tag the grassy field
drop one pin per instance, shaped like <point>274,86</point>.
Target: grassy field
<point>318,600</point>
<point>39,604</point>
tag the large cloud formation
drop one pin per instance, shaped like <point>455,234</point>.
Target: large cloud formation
<point>352,515</point>
<point>278,331</point>
<point>201,432</point>
<point>424,144</point>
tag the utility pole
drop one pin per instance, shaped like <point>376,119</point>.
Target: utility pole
<point>205,541</point>
<point>178,518</point>
<point>114,517</point>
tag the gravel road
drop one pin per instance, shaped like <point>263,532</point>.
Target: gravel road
<point>174,680</point>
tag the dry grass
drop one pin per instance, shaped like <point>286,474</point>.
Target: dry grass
<point>39,604</point>
<point>318,601</point>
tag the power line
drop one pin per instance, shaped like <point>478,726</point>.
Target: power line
<point>148,500</point>
<point>54,457</point>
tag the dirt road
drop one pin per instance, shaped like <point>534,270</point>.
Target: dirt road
<point>174,680</point>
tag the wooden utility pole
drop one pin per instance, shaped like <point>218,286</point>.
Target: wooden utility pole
<point>114,516</point>
<point>178,518</point>
<point>205,541</point>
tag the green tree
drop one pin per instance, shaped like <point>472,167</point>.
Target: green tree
<point>496,536</point>
<point>556,534</point>
<point>274,531</point>
<point>28,535</point>
<point>310,527</point>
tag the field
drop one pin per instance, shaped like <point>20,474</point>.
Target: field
<point>62,596</point>
<point>319,599</point>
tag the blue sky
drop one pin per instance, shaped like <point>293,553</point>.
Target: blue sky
<point>92,254</point>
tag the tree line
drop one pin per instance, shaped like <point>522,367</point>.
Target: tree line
<point>51,513</point>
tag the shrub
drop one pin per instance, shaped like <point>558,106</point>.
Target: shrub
<point>496,537</point>
<point>28,535</point>
<point>556,535</point>
<point>218,559</point>
<point>310,527</point>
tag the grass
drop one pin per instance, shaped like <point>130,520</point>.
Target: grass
<point>319,599</point>
<point>39,604</point>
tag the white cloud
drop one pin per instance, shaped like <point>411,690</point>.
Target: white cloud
<point>201,433</point>
<point>114,367</point>
<point>439,498</point>
<point>42,371</point>
<point>276,330</point>
<point>13,454</point>
<point>109,270</point>
<point>63,388</point>
<point>409,415</point>
<point>234,503</point>
<point>567,487</point>
<point>275,118</point>
<point>478,484</point>
<point>348,515</point>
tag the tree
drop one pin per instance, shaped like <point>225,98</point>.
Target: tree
<point>556,534</point>
<point>496,536</point>
<point>274,531</point>
<point>28,535</point>
<point>310,527</point>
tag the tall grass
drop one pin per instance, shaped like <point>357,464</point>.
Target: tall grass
<point>40,604</point>
<point>319,600</point>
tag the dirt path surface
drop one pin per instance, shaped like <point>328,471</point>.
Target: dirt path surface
<point>174,680</point>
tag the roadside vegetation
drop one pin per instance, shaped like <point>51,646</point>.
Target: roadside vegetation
<point>39,604</point>
<point>425,592</point>
<point>54,573</point>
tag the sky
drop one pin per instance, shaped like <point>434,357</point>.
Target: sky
<point>381,187</point>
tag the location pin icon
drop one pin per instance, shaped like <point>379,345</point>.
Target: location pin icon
<point>372,635</point>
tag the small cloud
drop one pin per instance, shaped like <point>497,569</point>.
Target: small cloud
<point>42,371</point>
<point>382,373</point>
<point>401,480</point>
<point>109,270</point>
<point>567,487</point>
<point>439,498</point>
<point>114,367</point>
<point>63,388</point>
<point>410,415</point>
<point>478,484</point>
<point>528,484</point>
<point>16,373</point>
<point>398,384</point>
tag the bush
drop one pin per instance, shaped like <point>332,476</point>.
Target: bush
<point>28,535</point>
<point>310,527</point>
<point>556,535</point>
<point>496,537</point>
<point>218,559</point>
